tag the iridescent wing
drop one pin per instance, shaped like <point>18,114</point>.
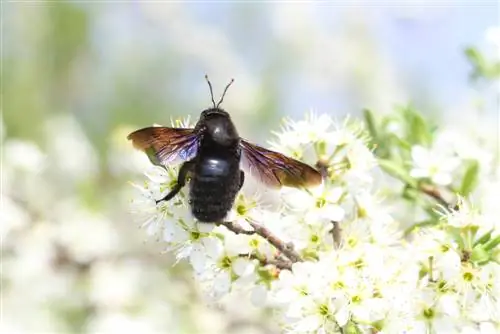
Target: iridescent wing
<point>275,169</point>
<point>166,145</point>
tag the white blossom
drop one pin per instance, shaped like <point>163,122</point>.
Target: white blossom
<point>433,164</point>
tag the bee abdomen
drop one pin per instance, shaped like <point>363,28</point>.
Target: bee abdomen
<point>212,198</point>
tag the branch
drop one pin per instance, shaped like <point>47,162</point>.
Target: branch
<point>284,248</point>
<point>336,234</point>
<point>236,228</point>
<point>280,263</point>
<point>434,193</point>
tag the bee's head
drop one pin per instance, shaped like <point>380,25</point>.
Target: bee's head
<point>216,125</point>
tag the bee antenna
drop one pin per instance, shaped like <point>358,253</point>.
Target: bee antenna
<point>224,94</point>
<point>211,91</point>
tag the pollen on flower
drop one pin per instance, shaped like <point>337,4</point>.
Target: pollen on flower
<point>468,276</point>
<point>324,310</point>
<point>355,299</point>
<point>225,262</point>
<point>428,313</point>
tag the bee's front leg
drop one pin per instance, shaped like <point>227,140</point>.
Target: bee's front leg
<point>181,181</point>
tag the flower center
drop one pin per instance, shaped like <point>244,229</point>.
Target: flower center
<point>323,310</point>
<point>356,299</point>
<point>429,313</point>
<point>468,276</point>
<point>320,202</point>
<point>226,262</point>
<point>241,209</point>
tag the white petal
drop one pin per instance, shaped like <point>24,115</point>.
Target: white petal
<point>308,324</point>
<point>449,264</point>
<point>205,228</point>
<point>342,316</point>
<point>334,212</point>
<point>420,155</point>
<point>242,267</point>
<point>419,173</point>
<point>449,305</point>
<point>157,174</point>
<point>174,233</point>
<point>259,296</point>
<point>212,246</point>
<point>198,258</point>
<point>442,178</point>
<point>487,328</point>
<point>335,194</point>
<point>222,283</point>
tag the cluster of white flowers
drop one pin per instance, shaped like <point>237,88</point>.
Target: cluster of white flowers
<point>71,261</point>
<point>341,262</point>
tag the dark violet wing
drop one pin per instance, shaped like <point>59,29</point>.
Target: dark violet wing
<point>166,144</point>
<point>275,169</point>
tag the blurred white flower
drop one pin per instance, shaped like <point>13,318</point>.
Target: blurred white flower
<point>12,216</point>
<point>432,315</point>
<point>435,165</point>
<point>465,215</point>
<point>123,158</point>
<point>115,285</point>
<point>70,150</point>
<point>82,243</point>
<point>25,156</point>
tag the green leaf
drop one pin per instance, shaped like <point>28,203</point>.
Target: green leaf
<point>480,255</point>
<point>410,193</point>
<point>484,238</point>
<point>377,134</point>
<point>351,328</point>
<point>456,234</point>
<point>475,57</point>
<point>418,131</point>
<point>403,144</point>
<point>492,243</point>
<point>397,171</point>
<point>469,182</point>
<point>371,124</point>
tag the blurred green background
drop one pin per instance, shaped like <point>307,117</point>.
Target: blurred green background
<point>78,76</point>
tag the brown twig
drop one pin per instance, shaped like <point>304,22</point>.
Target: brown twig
<point>236,228</point>
<point>280,263</point>
<point>336,234</point>
<point>285,248</point>
<point>433,192</point>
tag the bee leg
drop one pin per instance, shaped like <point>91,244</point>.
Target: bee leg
<point>242,179</point>
<point>181,181</point>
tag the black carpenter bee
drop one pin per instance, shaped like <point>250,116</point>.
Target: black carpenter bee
<point>212,153</point>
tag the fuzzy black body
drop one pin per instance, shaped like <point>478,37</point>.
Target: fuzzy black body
<point>216,176</point>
